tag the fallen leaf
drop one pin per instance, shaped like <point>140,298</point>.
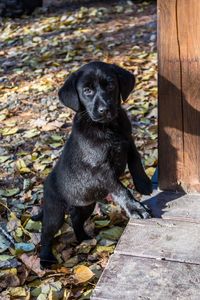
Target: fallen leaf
<point>33,226</point>
<point>109,249</point>
<point>9,279</point>
<point>82,273</point>
<point>9,263</point>
<point>31,133</point>
<point>9,192</point>
<point>9,131</point>
<point>21,166</point>
<point>4,243</point>
<point>17,292</point>
<point>101,223</point>
<point>113,233</point>
<point>33,263</point>
<point>24,247</point>
<point>4,158</point>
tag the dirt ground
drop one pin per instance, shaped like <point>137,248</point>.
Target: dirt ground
<point>37,53</point>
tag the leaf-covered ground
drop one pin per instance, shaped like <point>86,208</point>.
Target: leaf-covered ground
<point>36,53</point>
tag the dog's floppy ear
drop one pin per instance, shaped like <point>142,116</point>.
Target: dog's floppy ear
<point>68,94</point>
<point>126,81</point>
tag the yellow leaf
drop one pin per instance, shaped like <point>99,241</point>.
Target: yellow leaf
<point>83,273</point>
<point>21,166</point>
<point>150,171</point>
<point>17,292</point>
<point>9,131</point>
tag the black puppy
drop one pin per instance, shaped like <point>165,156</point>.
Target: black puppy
<point>95,154</point>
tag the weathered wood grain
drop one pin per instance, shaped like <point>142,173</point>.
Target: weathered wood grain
<point>177,206</point>
<point>179,94</point>
<point>188,24</point>
<point>170,123</point>
<point>134,278</point>
<point>162,239</point>
<point>157,259</point>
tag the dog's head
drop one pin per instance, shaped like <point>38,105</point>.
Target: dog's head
<point>98,88</point>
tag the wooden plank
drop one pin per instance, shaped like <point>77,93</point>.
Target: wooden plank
<point>188,24</point>
<point>179,94</point>
<point>161,239</point>
<point>170,145</point>
<point>177,206</point>
<point>131,278</point>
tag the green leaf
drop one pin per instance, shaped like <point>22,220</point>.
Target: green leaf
<point>4,158</point>
<point>101,223</point>
<point>36,292</point>
<point>56,138</point>
<point>56,145</point>
<point>33,226</point>
<point>5,257</point>
<point>113,233</point>
<point>9,192</point>
<point>31,133</point>
<point>109,249</point>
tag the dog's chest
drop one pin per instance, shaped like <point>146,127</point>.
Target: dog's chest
<point>118,152</point>
<point>109,152</point>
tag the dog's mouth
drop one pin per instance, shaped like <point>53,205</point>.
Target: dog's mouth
<point>105,119</point>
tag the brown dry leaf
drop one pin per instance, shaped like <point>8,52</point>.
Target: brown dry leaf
<point>52,126</point>
<point>82,273</point>
<point>32,262</point>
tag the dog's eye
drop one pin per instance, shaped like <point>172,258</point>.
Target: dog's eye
<point>87,91</point>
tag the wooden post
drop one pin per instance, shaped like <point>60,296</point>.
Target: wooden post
<point>179,94</point>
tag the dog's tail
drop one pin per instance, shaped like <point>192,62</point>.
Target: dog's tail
<point>38,217</point>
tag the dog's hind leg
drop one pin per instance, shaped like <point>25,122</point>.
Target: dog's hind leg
<point>53,218</point>
<point>79,214</point>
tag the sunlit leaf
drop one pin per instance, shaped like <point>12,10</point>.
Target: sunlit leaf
<point>9,131</point>
<point>83,273</point>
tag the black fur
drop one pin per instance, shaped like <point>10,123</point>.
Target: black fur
<point>95,154</point>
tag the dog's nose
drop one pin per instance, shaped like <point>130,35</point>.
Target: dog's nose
<point>103,110</point>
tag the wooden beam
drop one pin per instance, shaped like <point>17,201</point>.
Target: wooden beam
<point>179,94</point>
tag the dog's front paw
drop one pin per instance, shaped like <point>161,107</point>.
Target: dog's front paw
<point>47,260</point>
<point>143,185</point>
